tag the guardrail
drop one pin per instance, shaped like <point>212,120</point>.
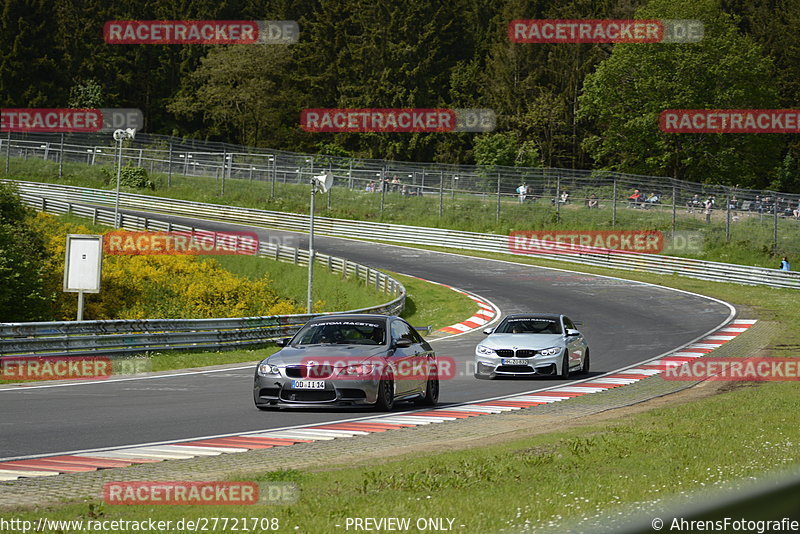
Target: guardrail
<point>113,337</point>
<point>654,263</point>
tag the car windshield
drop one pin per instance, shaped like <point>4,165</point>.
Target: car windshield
<point>529,325</point>
<point>342,333</point>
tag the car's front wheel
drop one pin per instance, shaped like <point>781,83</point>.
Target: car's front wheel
<point>585,366</point>
<point>564,367</point>
<point>385,400</point>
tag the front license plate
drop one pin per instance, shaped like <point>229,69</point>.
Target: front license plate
<point>308,384</point>
<point>514,361</point>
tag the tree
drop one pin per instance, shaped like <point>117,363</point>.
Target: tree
<point>22,260</point>
<point>726,70</point>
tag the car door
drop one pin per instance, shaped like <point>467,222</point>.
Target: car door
<point>575,344</point>
<point>404,359</point>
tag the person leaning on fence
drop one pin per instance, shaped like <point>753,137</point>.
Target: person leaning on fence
<point>785,264</point>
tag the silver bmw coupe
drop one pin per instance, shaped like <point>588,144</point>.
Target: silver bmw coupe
<point>532,344</point>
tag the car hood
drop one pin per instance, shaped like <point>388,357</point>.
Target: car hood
<point>523,341</point>
<point>351,354</point>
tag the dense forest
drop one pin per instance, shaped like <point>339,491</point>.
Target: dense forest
<point>559,105</point>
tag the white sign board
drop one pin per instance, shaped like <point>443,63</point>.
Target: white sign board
<point>83,263</point>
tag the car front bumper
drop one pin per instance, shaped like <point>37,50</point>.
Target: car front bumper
<point>493,366</point>
<point>278,391</point>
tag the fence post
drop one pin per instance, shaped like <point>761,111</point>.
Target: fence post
<point>224,163</point>
<point>498,197</point>
<point>274,165</point>
<point>558,198</point>
<point>330,170</point>
<point>169,166</point>
<point>727,217</point>
<point>383,188</point>
<point>614,203</point>
<point>775,224</point>
<point>441,193</point>
<point>674,209</point>
<point>61,157</point>
<point>350,175</point>
<point>8,151</point>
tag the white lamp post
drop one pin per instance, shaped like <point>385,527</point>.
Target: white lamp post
<point>323,182</point>
<point>120,136</point>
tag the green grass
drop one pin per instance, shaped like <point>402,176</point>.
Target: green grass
<point>750,240</point>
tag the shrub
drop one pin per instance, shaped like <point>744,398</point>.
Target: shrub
<point>129,176</point>
<point>163,287</point>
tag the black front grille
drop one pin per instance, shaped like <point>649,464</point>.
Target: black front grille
<point>515,369</point>
<point>350,393</point>
<point>525,353</point>
<point>269,392</point>
<point>316,372</point>
<point>295,395</point>
<point>505,353</point>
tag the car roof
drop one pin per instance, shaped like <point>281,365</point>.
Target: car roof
<point>352,317</point>
<point>554,316</point>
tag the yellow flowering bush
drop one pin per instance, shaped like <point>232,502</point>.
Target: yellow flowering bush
<point>173,287</point>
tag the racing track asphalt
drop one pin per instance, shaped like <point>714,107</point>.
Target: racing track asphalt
<point>625,322</point>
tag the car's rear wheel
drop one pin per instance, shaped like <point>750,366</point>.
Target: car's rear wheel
<point>585,366</point>
<point>385,400</point>
<point>431,390</point>
<point>564,367</point>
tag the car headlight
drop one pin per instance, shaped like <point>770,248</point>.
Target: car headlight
<point>361,369</point>
<point>267,369</point>
<point>552,351</point>
<point>485,351</point>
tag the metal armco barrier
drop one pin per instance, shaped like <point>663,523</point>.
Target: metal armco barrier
<point>117,337</point>
<point>653,263</point>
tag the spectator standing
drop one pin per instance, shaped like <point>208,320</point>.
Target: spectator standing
<point>522,191</point>
<point>785,264</point>
<point>708,207</point>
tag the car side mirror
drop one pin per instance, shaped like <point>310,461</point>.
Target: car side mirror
<point>283,342</point>
<point>488,331</point>
<point>572,333</point>
<point>402,343</point>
